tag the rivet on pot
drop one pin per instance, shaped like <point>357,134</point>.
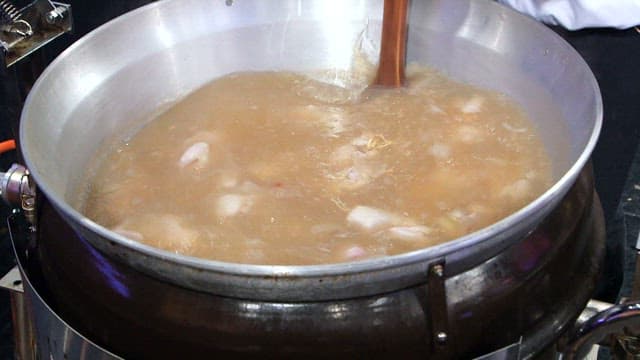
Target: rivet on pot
<point>438,271</point>
<point>441,337</point>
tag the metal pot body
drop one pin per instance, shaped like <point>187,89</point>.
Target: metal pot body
<point>522,299</point>
<point>130,67</point>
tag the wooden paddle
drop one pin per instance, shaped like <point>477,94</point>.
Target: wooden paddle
<point>393,45</point>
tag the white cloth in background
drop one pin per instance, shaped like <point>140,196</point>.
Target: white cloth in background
<point>579,14</point>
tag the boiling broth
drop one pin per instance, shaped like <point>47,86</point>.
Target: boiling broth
<point>277,168</point>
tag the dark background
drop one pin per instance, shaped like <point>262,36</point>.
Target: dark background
<point>613,55</point>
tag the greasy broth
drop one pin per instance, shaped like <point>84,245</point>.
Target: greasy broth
<point>276,168</point>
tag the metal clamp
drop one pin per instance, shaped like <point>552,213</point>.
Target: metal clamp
<point>17,189</point>
<point>11,20</point>
<point>26,30</point>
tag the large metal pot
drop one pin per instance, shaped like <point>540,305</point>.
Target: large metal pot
<point>127,69</point>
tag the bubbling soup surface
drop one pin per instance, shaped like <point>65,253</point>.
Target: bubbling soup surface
<point>277,168</point>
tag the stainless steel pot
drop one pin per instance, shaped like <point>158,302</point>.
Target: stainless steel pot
<point>125,70</point>
<point>128,68</point>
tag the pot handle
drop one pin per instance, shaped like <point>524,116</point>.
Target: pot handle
<point>615,325</point>
<point>619,323</point>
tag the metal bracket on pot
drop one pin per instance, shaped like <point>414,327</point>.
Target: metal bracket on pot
<point>26,30</point>
<point>443,341</point>
<point>439,314</point>
<point>17,190</point>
